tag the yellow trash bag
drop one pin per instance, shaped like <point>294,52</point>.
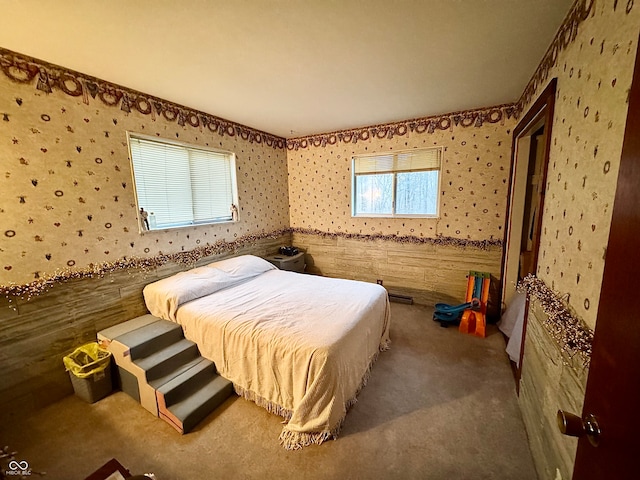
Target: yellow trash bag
<point>87,360</point>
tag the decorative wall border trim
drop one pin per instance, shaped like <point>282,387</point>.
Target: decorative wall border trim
<point>14,291</point>
<point>571,333</point>
<point>579,12</point>
<point>46,282</point>
<point>439,240</point>
<point>23,69</point>
<point>466,118</point>
<point>565,36</point>
<point>48,77</point>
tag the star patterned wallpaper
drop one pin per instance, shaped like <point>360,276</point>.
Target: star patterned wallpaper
<point>67,196</point>
<point>594,60</point>
<point>474,176</point>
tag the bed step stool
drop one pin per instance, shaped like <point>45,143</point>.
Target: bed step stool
<point>164,371</point>
<point>190,396</point>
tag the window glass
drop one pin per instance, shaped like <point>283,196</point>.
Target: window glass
<point>374,193</point>
<point>417,193</point>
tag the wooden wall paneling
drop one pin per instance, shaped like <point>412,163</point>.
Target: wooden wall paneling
<point>260,248</point>
<point>16,327</point>
<point>549,378</point>
<point>35,334</point>
<point>411,250</point>
<point>32,373</point>
<point>397,274</point>
<point>166,270</point>
<point>429,273</point>
<point>314,239</point>
<point>373,250</point>
<point>319,251</point>
<point>130,293</point>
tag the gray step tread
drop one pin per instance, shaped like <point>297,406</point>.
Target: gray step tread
<point>214,393</point>
<point>147,332</point>
<point>159,383</point>
<point>125,327</point>
<point>149,338</point>
<point>166,354</point>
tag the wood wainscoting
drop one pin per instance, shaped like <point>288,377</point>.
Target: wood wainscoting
<point>550,379</point>
<point>36,334</point>
<point>428,273</point>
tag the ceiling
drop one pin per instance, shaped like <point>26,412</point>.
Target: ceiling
<point>297,67</point>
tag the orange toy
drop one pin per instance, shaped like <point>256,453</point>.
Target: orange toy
<point>474,321</point>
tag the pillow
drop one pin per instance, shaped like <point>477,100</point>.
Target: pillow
<point>165,296</point>
<point>243,267</point>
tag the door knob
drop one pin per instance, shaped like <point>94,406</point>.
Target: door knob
<point>574,426</point>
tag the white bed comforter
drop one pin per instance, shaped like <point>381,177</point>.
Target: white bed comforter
<point>299,345</point>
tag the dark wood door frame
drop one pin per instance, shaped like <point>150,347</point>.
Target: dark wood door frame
<point>543,108</point>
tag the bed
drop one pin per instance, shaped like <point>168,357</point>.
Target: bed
<point>301,346</point>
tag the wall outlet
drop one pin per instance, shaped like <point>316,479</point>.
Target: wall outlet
<point>379,281</point>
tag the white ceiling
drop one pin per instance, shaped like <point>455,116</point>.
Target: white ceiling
<point>296,67</point>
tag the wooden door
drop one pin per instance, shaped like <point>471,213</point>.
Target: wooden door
<point>613,385</point>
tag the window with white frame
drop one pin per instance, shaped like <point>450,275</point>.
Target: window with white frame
<point>397,184</point>
<point>179,185</point>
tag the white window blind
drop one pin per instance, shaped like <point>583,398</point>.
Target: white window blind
<point>415,161</point>
<point>211,186</point>
<point>179,185</point>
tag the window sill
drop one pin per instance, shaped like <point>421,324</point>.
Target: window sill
<point>372,215</point>
<point>178,227</point>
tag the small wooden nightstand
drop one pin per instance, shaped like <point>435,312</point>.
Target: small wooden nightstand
<point>293,263</point>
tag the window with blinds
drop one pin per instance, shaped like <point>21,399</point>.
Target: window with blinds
<point>399,184</point>
<point>180,185</point>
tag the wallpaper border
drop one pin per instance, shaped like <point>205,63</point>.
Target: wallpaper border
<point>412,239</point>
<point>564,37</point>
<point>25,70</point>
<point>572,335</point>
<point>43,284</point>
<point>186,258</point>
<point>465,118</point>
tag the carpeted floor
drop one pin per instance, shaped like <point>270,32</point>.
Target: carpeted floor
<point>439,405</point>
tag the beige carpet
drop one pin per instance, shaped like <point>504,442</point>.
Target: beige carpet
<point>439,405</point>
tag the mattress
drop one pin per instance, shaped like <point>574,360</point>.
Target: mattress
<point>299,345</point>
